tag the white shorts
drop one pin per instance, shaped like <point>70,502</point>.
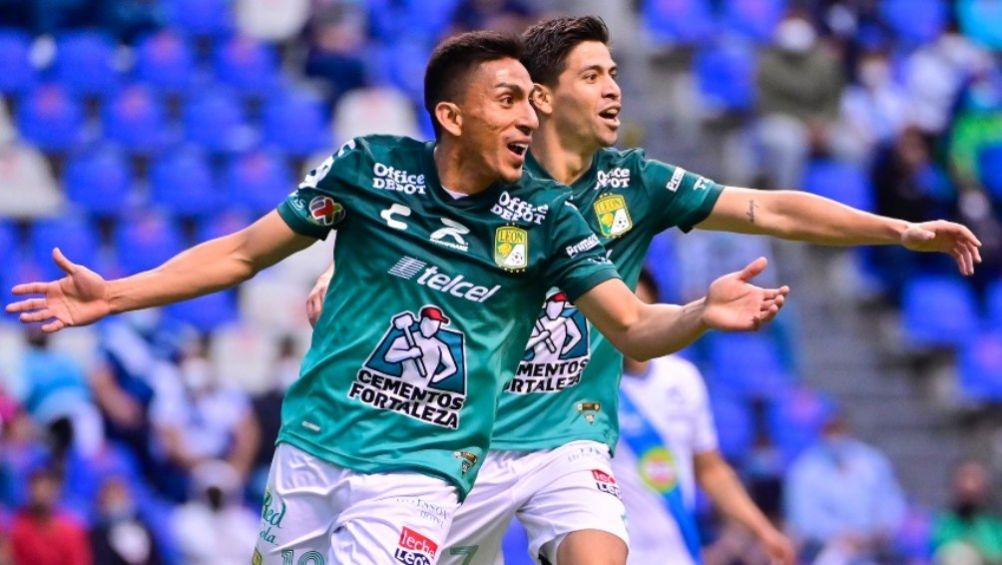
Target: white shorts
<point>316,513</point>
<point>553,493</point>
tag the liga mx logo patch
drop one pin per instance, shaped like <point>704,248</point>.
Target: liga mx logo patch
<point>324,211</point>
<point>418,369</point>
<point>613,215</point>
<point>511,248</point>
<point>415,549</point>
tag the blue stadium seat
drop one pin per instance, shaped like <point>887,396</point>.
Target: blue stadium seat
<point>677,21</point>
<point>248,65</point>
<point>8,238</point>
<point>990,170</point>
<point>993,301</point>
<point>18,73</point>
<point>145,241</point>
<point>389,19</point>
<point>748,364</point>
<point>258,181</point>
<point>839,181</point>
<point>981,367</point>
<point>734,425</point>
<point>227,221</point>
<point>795,419</point>
<point>754,18</point>
<point>205,313</point>
<point>216,121</point>
<point>938,311</point>
<point>85,63</point>
<point>165,61</point>
<point>205,18</point>
<point>135,119</point>
<point>297,123</point>
<point>73,235</point>
<point>99,180</point>
<point>183,182</point>
<point>916,21</point>
<point>50,119</point>
<point>913,540</point>
<point>726,78</point>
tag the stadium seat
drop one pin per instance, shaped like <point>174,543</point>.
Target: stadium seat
<point>839,181</point>
<point>145,241</point>
<point>795,419</point>
<point>227,221</point>
<point>990,170</point>
<point>205,313</point>
<point>677,21</point>
<point>50,119</point>
<point>913,540</point>
<point>756,19</point>
<point>981,367</point>
<point>18,75</point>
<point>183,182</point>
<point>297,124</point>
<point>203,18</point>
<point>389,19</point>
<point>747,364</point>
<point>165,61</point>
<point>215,120</point>
<point>915,21</point>
<point>99,180</point>
<point>725,76</point>
<point>993,302</point>
<point>135,119</point>
<point>258,182</point>
<point>734,425</point>
<point>938,311</point>
<point>247,65</point>
<point>85,63</point>
<point>392,64</point>
<point>73,235</point>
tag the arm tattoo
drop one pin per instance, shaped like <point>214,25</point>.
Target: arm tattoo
<point>751,211</point>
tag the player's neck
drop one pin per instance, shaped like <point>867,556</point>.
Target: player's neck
<point>635,368</point>
<point>459,170</point>
<point>563,159</point>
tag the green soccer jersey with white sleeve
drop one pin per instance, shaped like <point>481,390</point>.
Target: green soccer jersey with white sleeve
<point>567,386</point>
<point>430,307</point>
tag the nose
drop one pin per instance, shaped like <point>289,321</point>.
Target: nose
<point>527,119</point>
<point>612,90</point>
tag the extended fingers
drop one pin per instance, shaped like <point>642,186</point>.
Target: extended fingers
<point>30,288</point>
<point>36,316</point>
<point>26,305</point>
<point>53,326</point>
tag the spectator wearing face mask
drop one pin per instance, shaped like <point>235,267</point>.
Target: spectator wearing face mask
<point>969,525</point>
<point>874,109</point>
<point>214,528</point>
<point>120,537</point>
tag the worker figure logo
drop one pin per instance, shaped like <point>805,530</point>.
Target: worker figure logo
<point>557,352</point>
<point>418,369</point>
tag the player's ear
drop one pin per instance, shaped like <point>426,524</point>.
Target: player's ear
<point>542,99</point>
<point>450,117</point>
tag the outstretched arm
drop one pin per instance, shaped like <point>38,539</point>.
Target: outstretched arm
<point>83,297</point>
<point>801,216</point>
<point>644,331</point>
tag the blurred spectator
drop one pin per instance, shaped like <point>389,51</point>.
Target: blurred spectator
<point>843,501</point>
<point>875,110</point>
<point>200,419</point>
<point>27,185</point>
<point>120,537</point>
<point>40,535</point>
<point>969,521</point>
<point>272,20</point>
<point>800,88</point>
<point>53,389</point>
<point>20,452</point>
<point>214,529</point>
<point>365,111</point>
<point>268,410</point>
<point>336,46</point>
<point>508,16</point>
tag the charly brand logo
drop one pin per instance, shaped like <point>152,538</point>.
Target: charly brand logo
<point>385,177</point>
<point>511,248</point>
<point>418,369</point>
<point>557,352</point>
<point>272,516</point>
<point>613,178</point>
<point>415,549</point>
<point>408,268</point>
<point>613,215</point>
<point>451,235</point>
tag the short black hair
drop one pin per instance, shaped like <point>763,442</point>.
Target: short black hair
<point>456,57</point>
<point>548,43</point>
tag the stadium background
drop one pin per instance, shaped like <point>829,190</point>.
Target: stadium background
<point>130,129</point>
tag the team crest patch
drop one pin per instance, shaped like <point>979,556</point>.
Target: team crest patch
<point>324,211</point>
<point>415,549</point>
<point>657,469</point>
<point>613,215</point>
<point>511,248</point>
<point>418,369</point>
<point>606,482</point>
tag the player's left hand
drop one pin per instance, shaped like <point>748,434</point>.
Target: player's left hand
<point>734,304</point>
<point>945,237</point>
<point>315,301</point>
<point>779,548</point>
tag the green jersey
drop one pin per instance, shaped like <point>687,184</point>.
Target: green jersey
<point>567,385</point>
<point>430,307</point>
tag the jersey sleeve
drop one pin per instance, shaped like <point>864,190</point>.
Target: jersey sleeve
<point>678,197</point>
<point>577,261</point>
<point>317,206</point>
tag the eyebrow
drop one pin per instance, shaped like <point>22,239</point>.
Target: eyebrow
<point>510,86</point>
<point>599,68</point>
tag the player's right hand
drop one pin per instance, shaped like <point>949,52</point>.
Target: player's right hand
<point>78,299</point>
<point>315,301</point>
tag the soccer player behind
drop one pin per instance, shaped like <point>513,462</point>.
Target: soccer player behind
<point>446,251</point>
<point>549,463</point>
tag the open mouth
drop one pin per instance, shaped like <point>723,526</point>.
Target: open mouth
<point>610,115</point>
<point>518,149</point>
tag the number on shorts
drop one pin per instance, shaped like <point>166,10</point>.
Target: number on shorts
<point>468,550</point>
<point>308,558</point>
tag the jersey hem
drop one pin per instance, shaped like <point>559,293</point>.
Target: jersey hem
<point>545,444</point>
